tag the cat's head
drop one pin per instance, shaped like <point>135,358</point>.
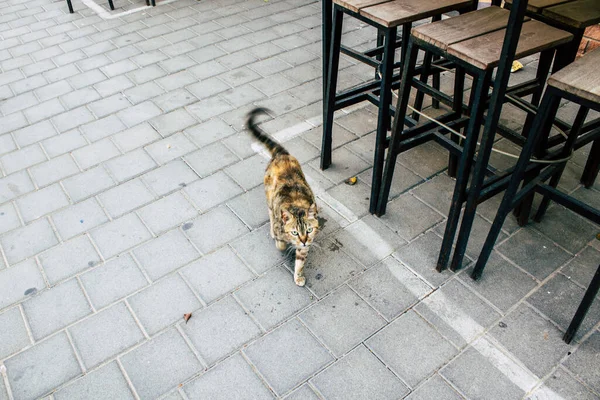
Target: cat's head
<point>300,225</point>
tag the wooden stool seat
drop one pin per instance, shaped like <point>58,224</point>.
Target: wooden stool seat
<point>578,14</point>
<point>580,78</point>
<point>399,12</point>
<point>536,6</point>
<point>484,51</point>
<point>357,5</point>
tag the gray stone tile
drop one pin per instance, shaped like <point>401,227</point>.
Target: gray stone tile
<point>8,218</point>
<point>426,160</point>
<point>136,137</point>
<point>562,384</point>
<point>28,241</point>
<point>72,119</point>
<point>273,297</point>
<point>434,388</point>
<point>258,250</point>
<point>250,172</point>
<point>582,268</point>
<point>223,225</point>
<point>34,133</point>
<point>209,132</point>
<point>534,253</point>
<point>125,197</point>
<point>251,207</point>
<point>212,190</point>
<point>160,365</point>
<point>210,159</point>
<point>87,183</point>
<point>475,376</point>
<point>19,281</point>
<point>167,213</point>
<point>421,257</point>
<point>107,382</point>
<point>79,218</point>
<point>170,177</point>
<point>100,284</point>
<point>13,336</point>
<point>275,356</point>
<point>174,99</point>
<point>405,346</point>
<point>342,320</point>
<point>359,375</point>
<point>145,91</point>
<point>453,299</point>
<point>130,165</point>
<point>209,108</point>
<point>220,330</point>
<point>390,288</point>
<point>54,170</point>
<point>175,121</point>
<point>56,308</point>
<point>28,372</point>
<point>139,113</point>
<point>171,148</point>
<point>163,303</point>
<point>532,339</point>
<point>216,383</point>
<point>63,143</point>
<point>340,136</point>
<point>105,335</point>
<point>303,393</point>
<point>15,185</point>
<point>95,153</point>
<point>410,225</point>
<point>502,283</point>
<point>165,254</point>
<point>345,165</point>
<point>120,234</point>
<point>559,298</point>
<point>42,202</point>
<point>567,229</point>
<point>23,158</point>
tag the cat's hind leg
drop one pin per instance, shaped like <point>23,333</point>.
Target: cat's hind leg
<point>272,220</point>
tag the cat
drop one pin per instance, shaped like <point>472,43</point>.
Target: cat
<point>291,202</point>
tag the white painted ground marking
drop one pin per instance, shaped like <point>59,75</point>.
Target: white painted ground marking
<point>102,13</point>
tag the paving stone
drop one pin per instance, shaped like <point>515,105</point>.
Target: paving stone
<point>410,225</point>
<point>79,97</point>
<point>28,241</point>
<point>54,170</point>
<point>130,165</point>
<point>143,92</point>
<point>209,132</point>
<point>68,259</point>
<point>138,113</point>
<point>23,158</point>
<point>223,225</point>
<point>210,159</point>
<point>56,308</point>
<point>15,185</point>
<point>175,121</point>
<point>88,183</point>
<point>208,88</point>
<point>170,177</point>
<point>274,356</point>
<point>434,388</point>
<point>95,153</point>
<point>42,202</point>
<point>28,372</point>
<point>99,282</point>
<point>125,197</point>
<point>78,218</point>
<point>251,207</point>
<point>53,90</point>
<point>475,376</point>
<point>216,383</point>
<point>303,393</point>
<point>359,375</point>
<point>174,100</point>
<point>171,148</point>
<point>103,383</point>
<point>258,250</point>
<point>390,288</point>
<point>88,78</point>
<point>559,298</point>
<point>534,252</point>
<point>63,143</point>
<point>8,218</point>
<point>220,330</point>
<point>13,336</point>
<point>567,229</point>
<point>273,84</point>
<point>411,348</point>
<point>102,128</point>
<point>165,254</point>
<point>167,212</point>
<point>113,85</point>
<point>160,365</point>
<point>426,160</point>
<point>105,335</point>
<point>163,303</point>
<point>583,267</point>
<point>421,256</point>
<point>560,383</point>
<point>136,137</point>
<point>19,281</point>
<point>342,320</point>
<point>532,339</point>
<point>209,108</point>
<point>34,133</point>
<point>120,234</point>
<point>212,190</point>
<point>72,119</point>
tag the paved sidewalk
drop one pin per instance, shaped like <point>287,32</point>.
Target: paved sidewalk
<point>130,195</point>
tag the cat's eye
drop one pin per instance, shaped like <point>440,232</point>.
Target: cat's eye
<point>294,233</point>
<point>309,230</point>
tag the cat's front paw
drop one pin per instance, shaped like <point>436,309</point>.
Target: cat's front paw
<point>300,280</point>
<point>281,245</point>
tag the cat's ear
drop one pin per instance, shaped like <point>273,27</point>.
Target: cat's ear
<point>312,210</point>
<point>285,216</point>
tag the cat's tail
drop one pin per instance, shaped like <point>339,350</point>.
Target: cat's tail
<point>274,147</point>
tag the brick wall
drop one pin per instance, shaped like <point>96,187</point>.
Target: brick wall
<point>591,40</point>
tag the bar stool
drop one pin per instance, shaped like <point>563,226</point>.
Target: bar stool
<point>477,42</point>
<point>579,83</point>
<point>387,17</point>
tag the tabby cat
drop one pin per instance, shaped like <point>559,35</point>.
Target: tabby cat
<point>292,207</point>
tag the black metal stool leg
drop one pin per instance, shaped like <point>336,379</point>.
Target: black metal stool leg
<point>506,205</point>
<point>398,125</point>
<point>436,76</point>
<point>419,96</point>
<point>575,130</point>
<point>480,87</point>
<point>383,119</point>
<point>584,306</point>
<point>111,5</point>
<point>592,166</point>
<point>70,5</point>
<point>329,100</point>
<point>544,64</point>
<point>459,88</point>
